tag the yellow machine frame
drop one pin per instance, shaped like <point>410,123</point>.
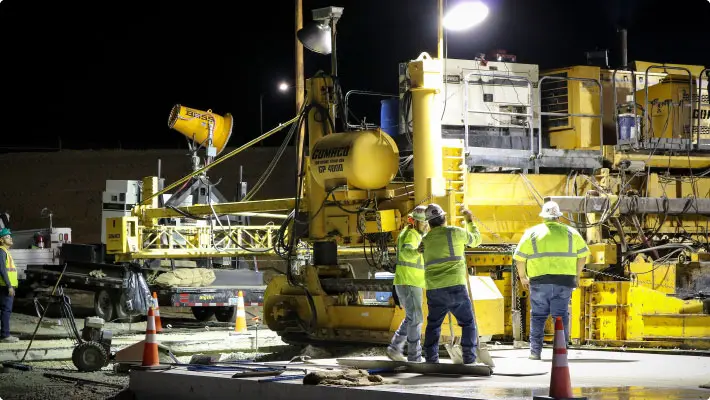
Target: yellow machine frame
<point>625,299</point>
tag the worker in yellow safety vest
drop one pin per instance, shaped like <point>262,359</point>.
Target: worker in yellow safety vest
<point>8,284</point>
<point>446,281</point>
<point>409,286</point>
<point>549,258</point>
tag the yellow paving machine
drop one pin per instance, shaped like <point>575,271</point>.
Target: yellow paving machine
<point>625,152</point>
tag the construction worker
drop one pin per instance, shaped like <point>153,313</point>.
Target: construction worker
<point>447,281</point>
<point>549,259</point>
<point>8,284</point>
<point>409,285</point>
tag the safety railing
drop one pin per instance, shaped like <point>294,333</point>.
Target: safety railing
<point>647,117</point>
<point>204,238</point>
<point>706,73</point>
<point>346,108</point>
<point>510,78</point>
<point>567,114</point>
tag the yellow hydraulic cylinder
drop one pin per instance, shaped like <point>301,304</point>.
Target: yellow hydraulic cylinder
<point>426,120</point>
<point>319,119</point>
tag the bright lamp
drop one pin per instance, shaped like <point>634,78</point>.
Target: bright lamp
<point>465,15</point>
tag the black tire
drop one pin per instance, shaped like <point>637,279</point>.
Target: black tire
<point>225,314</point>
<point>89,357</point>
<point>203,314</point>
<point>104,305</point>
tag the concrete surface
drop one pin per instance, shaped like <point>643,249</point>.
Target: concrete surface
<point>597,375</point>
<point>180,343</point>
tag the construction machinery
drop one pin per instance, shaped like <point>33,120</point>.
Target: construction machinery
<point>624,153</point>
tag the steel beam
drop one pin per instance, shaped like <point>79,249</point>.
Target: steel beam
<point>631,205</point>
<point>256,206</point>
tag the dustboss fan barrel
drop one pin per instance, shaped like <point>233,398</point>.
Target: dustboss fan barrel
<point>194,124</point>
<point>364,160</point>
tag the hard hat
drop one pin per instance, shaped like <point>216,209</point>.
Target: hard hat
<point>433,211</point>
<point>550,210</point>
<point>5,232</point>
<point>419,214</point>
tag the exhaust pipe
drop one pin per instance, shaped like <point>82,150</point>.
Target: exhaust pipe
<point>624,48</point>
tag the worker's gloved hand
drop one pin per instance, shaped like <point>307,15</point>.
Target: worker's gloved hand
<point>467,214</point>
<point>11,291</point>
<point>421,247</point>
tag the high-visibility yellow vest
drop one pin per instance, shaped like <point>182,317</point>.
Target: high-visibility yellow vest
<point>551,248</point>
<point>444,258</point>
<point>10,268</point>
<point>410,264</point>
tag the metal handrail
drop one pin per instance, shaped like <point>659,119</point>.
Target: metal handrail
<point>705,72</point>
<point>365,92</point>
<point>690,93</point>
<point>529,106</point>
<point>554,114</point>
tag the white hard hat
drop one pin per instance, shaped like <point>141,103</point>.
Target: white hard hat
<point>550,210</point>
<point>433,211</point>
<point>419,214</point>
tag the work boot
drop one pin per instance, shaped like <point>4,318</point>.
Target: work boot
<point>414,351</point>
<point>534,356</point>
<point>9,339</point>
<point>395,355</point>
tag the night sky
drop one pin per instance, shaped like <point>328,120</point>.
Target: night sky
<point>105,74</point>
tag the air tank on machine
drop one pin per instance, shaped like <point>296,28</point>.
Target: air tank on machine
<point>364,160</point>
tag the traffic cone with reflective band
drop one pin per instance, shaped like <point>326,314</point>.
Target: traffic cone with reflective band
<point>151,357</point>
<point>560,382</point>
<point>240,322</point>
<point>158,324</point>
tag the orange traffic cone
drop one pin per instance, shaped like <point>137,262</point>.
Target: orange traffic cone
<point>158,324</point>
<point>560,383</point>
<point>240,322</point>
<point>151,357</point>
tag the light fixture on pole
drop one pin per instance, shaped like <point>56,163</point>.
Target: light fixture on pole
<point>319,36</point>
<point>459,17</point>
<point>465,15</point>
<point>283,86</point>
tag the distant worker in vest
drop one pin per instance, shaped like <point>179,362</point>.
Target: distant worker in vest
<point>549,258</point>
<point>8,284</point>
<point>409,285</point>
<point>446,278</point>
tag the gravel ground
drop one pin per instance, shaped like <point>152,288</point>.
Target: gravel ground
<point>32,385</point>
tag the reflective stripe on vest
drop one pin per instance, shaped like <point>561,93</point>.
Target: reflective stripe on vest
<point>10,268</point>
<point>569,253</point>
<point>452,254</point>
<point>410,264</point>
<point>543,250</point>
<point>443,266</point>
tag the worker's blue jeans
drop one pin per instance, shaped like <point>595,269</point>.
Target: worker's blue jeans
<point>5,311</point>
<point>547,299</point>
<point>410,330</point>
<point>454,299</point>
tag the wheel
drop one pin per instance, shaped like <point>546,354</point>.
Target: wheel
<point>89,357</point>
<point>121,313</point>
<point>225,314</point>
<point>103,305</point>
<point>203,313</point>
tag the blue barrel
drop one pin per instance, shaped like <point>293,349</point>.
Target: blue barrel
<point>627,127</point>
<point>389,116</point>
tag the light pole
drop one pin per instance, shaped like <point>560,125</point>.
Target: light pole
<point>283,88</point>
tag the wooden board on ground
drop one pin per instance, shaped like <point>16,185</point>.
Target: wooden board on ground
<point>419,368</point>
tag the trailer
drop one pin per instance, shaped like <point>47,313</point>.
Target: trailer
<point>109,281</point>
